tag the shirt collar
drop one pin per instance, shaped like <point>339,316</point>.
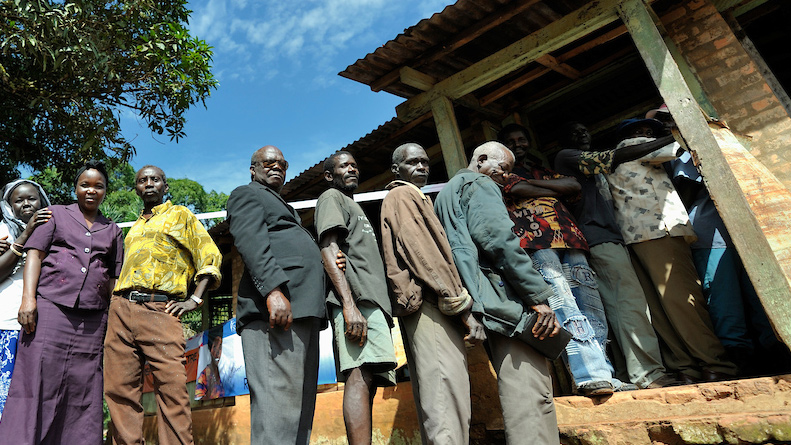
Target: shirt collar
<point>399,182</point>
<point>161,208</point>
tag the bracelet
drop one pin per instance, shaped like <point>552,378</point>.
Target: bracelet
<point>196,299</point>
<point>21,247</point>
<point>16,252</point>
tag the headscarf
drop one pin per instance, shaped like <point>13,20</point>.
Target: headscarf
<point>15,225</point>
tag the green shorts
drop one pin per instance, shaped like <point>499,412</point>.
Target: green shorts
<point>376,354</point>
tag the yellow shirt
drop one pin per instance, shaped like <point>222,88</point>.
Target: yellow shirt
<point>164,252</point>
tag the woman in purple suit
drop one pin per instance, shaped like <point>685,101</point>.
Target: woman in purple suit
<point>72,263</point>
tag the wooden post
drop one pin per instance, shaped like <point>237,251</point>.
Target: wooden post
<point>769,265</point>
<point>449,135</point>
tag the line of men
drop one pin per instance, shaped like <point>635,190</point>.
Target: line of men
<point>494,248</point>
<point>430,261</point>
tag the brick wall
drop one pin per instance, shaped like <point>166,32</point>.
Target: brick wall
<point>733,82</point>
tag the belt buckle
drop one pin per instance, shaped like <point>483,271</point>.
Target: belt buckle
<point>137,294</point>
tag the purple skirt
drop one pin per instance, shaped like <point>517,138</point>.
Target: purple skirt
<point>56,392</point>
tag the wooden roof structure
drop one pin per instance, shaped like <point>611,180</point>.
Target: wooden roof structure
<point>597,77</point>
<point>478,64</point>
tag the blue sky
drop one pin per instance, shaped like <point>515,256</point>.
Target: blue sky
<point>277,64</point>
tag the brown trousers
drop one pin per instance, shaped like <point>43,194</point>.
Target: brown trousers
<point>678,309</point>
<point>137,333</point>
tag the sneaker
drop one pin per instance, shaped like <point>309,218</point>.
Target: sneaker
<point>663,382</point>
<point>598,388</point>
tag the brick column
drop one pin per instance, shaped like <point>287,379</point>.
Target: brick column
<point>733,82</point>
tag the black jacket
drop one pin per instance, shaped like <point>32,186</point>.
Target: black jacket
<point>277,251</point>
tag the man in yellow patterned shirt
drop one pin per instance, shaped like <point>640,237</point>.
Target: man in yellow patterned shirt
<point>166,249</point>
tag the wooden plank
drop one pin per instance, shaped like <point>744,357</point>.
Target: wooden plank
<point>449,135</point>
<point>557,66</point>
<point>571,27</point>
<point>498,17</point>
<point>769,265</point>
<point>416,79</point>
<point>513,85</point>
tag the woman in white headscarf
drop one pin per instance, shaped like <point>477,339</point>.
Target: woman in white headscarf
<point>24,208</point>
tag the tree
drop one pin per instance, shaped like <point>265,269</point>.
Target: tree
<point>69,68</point>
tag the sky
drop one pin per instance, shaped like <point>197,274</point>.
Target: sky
<point>277,63</point>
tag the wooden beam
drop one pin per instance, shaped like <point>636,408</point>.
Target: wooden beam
<point>557,66</point>
<point>449,135</point>
<point>514,85</point>
<point>498,17</point>
<point>415,78</point>
<point>579,23</point>
<point>749,222</point>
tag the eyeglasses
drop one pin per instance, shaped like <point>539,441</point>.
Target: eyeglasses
<point>271,164</point>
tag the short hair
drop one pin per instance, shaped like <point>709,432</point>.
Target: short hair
<point>492,149</point>
<point>161,172</point>
<point>399,154</point>
<point>510,128</point>
<point>331,161</point>
<point>93,164</point>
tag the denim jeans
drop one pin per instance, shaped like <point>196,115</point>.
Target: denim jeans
<point>579,310</point>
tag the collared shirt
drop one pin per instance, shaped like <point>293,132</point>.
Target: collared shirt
<point>164,252</point>
<point>647,205</point>
<point>417,255</point>
<point>541,223</point>
<point>79,262</point>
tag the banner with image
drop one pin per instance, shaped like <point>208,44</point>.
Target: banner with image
<point>220,363</point>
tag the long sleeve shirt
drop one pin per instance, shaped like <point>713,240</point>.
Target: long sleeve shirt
<point>487,253</point>
<point>417,255</point>
<point>166,251</point>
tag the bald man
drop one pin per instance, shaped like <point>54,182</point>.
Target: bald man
<point>280,306</point>
<point>505,289</point>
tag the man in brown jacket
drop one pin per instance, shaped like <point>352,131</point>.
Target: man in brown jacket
<point>433,305</point>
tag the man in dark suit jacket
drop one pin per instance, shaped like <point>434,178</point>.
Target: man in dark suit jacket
<point>281,304</point>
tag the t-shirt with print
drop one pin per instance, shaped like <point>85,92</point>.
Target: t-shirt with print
<point>594,212</point>
<point>541,223</point>
<point>364,267</point>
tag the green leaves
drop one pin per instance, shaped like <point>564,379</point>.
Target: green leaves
<point>68,68</point>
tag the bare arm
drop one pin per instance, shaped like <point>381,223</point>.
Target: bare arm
<point>525,189</point>
<point>562,186</point>
<point>356,324</point>
<point>632,152</point>
<point>28,310</point>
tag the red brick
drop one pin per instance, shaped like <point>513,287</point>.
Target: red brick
<point>760,105</point>
<point>723,42</point>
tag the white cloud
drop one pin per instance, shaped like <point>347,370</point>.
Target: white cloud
<point>294,35</point>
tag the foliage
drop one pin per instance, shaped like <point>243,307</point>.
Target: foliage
<point>68,69</point>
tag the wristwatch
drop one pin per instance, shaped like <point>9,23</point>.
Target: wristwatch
<point>196,299</point>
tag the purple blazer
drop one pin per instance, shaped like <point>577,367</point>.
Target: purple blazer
<point>79,262</point>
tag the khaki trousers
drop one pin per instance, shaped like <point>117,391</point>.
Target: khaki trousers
<point>525,389</point>
<point>437,359</point>
<point>678,309</point>
<point>137,333</point>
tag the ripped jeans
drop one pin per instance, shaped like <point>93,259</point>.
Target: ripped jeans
<point>579,310</point>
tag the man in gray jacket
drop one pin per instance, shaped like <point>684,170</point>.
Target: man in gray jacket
<point>489,259</point>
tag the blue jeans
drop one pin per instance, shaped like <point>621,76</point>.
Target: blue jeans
<point>733,303</point>
<point>579,309</point>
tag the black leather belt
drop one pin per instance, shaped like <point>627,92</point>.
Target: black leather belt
<point>146,297</point>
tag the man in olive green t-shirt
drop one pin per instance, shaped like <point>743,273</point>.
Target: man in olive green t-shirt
<point>360,308</point>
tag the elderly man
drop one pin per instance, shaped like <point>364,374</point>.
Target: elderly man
<point>166,249</point>
<point>359,307</point>
<point>490,260</point>
<point>281,304</point>
<point>433,306</point>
